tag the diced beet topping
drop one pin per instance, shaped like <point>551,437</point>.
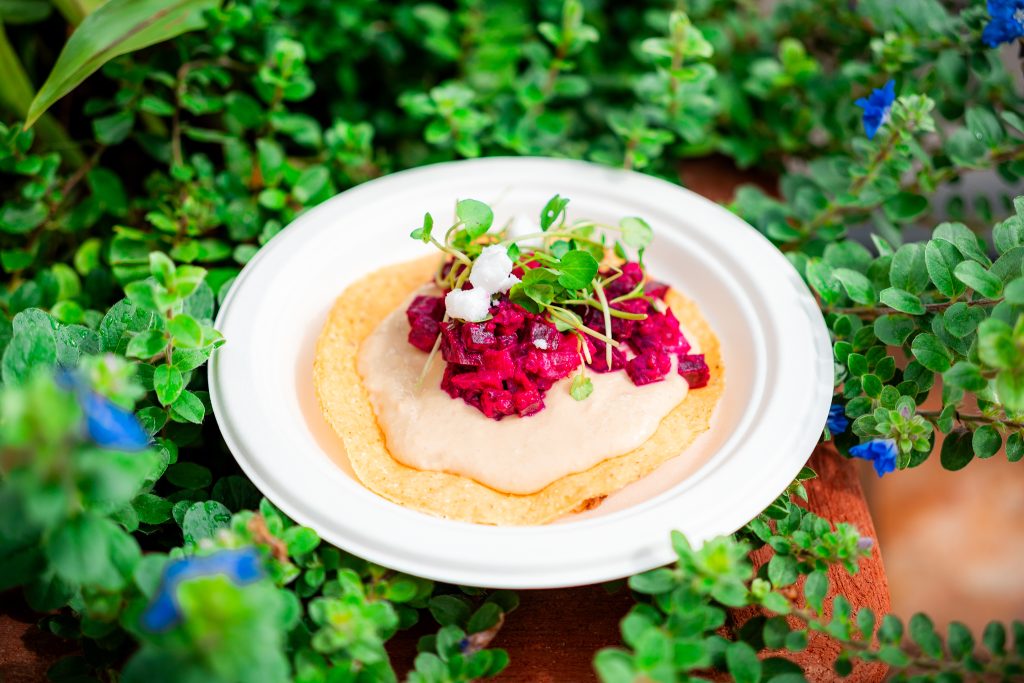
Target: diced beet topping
<point>425,314</point>
<point>504,365</point>
<point>694,370</point>
<point>650,366</point>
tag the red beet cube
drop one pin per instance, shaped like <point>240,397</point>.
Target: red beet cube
<point>496,403</point>
<point>649,366</point>
<point>552,364</point>
<point>658,290</point>
<point>477,381</point>
<point>543,335</point>
<point>454,350</point>
<point>509,317</point>
<point>477,336</point>
<point>500,361</point>
<point>423,332</point>
<point>694,370</point>
<point>429,306</point>
<point>527,402</point>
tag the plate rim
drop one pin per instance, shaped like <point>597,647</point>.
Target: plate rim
<point>801,440</point>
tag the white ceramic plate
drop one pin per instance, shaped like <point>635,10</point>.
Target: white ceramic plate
<point>775,345</point>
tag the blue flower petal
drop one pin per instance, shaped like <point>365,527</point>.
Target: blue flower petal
<point>242,566</point>
<point>161,614</point>
<point>111,426</point>
<point>837,421</point>
<point>881,452</point>
<point>877,107</point>
<point>1006,24</point>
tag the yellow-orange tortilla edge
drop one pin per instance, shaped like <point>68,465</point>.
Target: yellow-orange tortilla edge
<point>346,406</point>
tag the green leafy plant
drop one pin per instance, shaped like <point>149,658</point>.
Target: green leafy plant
<point>169,140</point>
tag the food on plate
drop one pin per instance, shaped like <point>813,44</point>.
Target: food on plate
<point>526,374</point>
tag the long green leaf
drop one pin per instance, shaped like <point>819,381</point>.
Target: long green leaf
<point>116,28</point>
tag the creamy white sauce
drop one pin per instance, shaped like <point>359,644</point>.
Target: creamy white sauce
<point>425,428</point>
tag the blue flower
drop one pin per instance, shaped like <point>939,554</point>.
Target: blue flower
<point>107,424</point>
<point>882,452</point>
<point>837,421</point>
<point>1006,24</point>
<point>877,107</point>
<point>241,566</point>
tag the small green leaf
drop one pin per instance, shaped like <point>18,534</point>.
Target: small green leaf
<point>857,286</point>
<point>300,540</point>
<point>188,408</point>
<point>930,352</point>
<point>957,450</point>
<point>905,207</point>
<point>907,269</point>
<point>1010,389</point>
<point>168,383</point>
<point>966,376</point>
<point>922,630</point>
<point>994,638</point>
<point>902,300</point>
<point>551,211</point>
<point>1015,447</point>
<point>894,330</point>
<point>1014,292</point>
<point>636,232</point>
<point>115,128</point>
<point>147,344</point>
<point>995,344</point>
<point>743,664</point>
<point>449,609</point>
<point>653,582</point>
<point>820,277</point>
<point>186,331</point>
<point>581,387</point>
<point>203,520</point>
<point>476,216</point>
<point>422,233</point>
<point>960,320</point>
<point>189,475</point>
<point>577,269</point>
<point>162,268</point>
<point>974,275</point>
<point>961,642</point>
<point>960,236</point>
<point>816,588</point>
<point>986,441</point>
<point>941,258</point>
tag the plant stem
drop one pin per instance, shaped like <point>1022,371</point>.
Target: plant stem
<point>16,93</point>
<point>932,415</point>
<point>872,312</point>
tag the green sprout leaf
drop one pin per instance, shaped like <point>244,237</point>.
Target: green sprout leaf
<point>422,233</point>
<point>581,387</point>
<point>636,232</point>
<point>577,269</point>
<point>476,217</point>
<point>551,212</point>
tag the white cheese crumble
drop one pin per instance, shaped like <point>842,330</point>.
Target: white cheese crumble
<point>492,269</point>
<point>471,305</point>
<point>541,344</point>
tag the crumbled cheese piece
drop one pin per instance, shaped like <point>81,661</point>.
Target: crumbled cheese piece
<point>492,269</point>
<point>541,344</point>
<point>509,282</point>
<point>471,305</point>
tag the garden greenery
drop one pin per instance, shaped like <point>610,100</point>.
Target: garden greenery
<point>141,189</point>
